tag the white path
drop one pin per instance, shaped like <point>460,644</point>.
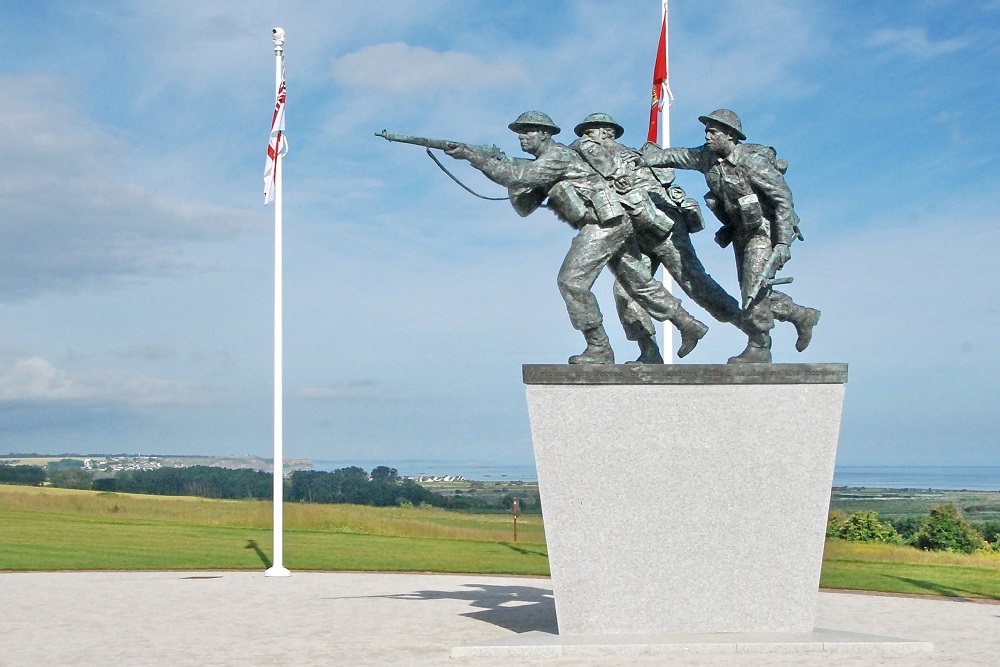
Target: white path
<point>242,618</point>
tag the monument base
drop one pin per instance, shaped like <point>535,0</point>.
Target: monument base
<point>685,498</point>
<point>548,645</point>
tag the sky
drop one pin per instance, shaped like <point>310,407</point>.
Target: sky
<point>136,286</point>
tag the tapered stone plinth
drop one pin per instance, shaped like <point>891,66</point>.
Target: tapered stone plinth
<point>685,498</point>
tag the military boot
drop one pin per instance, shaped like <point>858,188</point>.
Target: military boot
<point>804,320</point>
<point>649,351</point>
<point>598,348</point>
<point>691,330</point>
<point>758,351</point>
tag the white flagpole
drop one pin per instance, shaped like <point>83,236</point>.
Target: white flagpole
<point>664,140</point>
<point>277,569</point>
<point>664,124</point>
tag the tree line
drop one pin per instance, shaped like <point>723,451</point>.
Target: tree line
<point>353,485</point>
<point>943,529</point>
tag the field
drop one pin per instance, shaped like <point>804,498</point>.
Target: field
<point>900,569</point>
<point>900,503</point>
<point>60,529</point>
<point>491,492</point>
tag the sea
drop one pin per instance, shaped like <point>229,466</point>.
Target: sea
<point>945,478</point>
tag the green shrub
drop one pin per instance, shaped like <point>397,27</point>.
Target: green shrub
<point>865,527</point>
<point>834,520</point>
<point>907,526</point>
<point>946,530</point>
<point>989,529</point>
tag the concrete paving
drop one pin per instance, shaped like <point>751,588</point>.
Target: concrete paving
<point>313,618</point>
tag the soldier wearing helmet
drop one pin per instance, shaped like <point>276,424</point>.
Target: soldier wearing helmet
<point>580,197</point>
<point>748,193</point>
<point>664,218</point>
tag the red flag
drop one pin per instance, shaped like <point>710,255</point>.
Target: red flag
<point>661,83</point>
<point>277,143</point>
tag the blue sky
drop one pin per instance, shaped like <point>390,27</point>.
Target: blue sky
<point>136,282</point>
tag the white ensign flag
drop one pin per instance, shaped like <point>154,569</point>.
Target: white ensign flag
<point>276,144</point>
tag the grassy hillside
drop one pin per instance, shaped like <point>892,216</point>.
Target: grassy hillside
<point>45,528</point>
<point>902,569</point>
<point>59,529</point>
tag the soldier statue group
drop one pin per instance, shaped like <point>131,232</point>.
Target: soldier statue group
<point>631,218</point>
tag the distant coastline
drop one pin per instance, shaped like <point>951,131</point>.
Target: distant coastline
<point>944,478</point>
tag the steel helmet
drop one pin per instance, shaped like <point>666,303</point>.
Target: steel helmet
<point>726,118</point>
<point>599,120</point>
<point>531,119</point>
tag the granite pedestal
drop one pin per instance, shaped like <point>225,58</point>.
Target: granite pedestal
<point>685,498</point>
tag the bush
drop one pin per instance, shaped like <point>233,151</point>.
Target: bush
<point>946,530</point>
<point>990,529</point>
<point>67,477</point>
<point>834,520</point>
<point>865,527</point>
<point>907,526</point>
<point>22,474</point>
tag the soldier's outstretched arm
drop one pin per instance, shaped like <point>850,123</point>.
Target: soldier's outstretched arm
<point>679,158</point>
<point>510,172</point>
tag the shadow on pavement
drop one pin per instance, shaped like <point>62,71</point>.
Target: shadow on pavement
<point>514,608</point>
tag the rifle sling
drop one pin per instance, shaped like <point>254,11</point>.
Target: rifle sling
<point>464,186</point>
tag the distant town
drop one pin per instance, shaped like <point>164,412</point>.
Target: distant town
<point>111,464</point>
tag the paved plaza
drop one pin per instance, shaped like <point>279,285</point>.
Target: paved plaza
<point>319,618</point>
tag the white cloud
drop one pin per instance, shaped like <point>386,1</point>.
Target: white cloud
<point>362,390</point>
<point>71,219</point>
<point>401,68</point>
<point>913,42</point>
<point>37,380</point>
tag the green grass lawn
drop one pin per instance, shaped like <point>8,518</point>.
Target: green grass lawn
<point>901,569</point>
<point>60,529</point>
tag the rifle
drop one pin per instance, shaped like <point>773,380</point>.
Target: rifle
<point>443,144</point>
<point>766,278</point>
<point>440,144</point>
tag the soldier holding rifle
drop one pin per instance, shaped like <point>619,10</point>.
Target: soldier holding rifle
<point>748,193</point>
<point>663,218</point>
<point>582,198</point>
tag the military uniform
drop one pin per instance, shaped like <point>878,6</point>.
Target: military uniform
<point>748,194</point>
<point>663,218</point>
<point>604,234</point>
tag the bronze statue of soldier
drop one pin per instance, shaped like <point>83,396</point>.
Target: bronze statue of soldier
<point>582,198</point>
<point>664,218</point>
<point>748,194</point>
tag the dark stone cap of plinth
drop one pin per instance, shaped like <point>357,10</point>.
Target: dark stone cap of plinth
<point>684,373</point>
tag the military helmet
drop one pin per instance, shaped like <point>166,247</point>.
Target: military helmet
<point>531,119</point>
<point>599,120</point>
<point>726,118</point>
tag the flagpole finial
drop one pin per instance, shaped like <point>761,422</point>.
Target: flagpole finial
<point>278,35</point>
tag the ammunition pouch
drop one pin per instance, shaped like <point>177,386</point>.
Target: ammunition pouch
<point>568,204</point>
<point>717,209</point>
<point>607,207</point>
<point>691,213</point>
<point>652,222</point>
<point>525,202</point>
<point>751,214</point>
